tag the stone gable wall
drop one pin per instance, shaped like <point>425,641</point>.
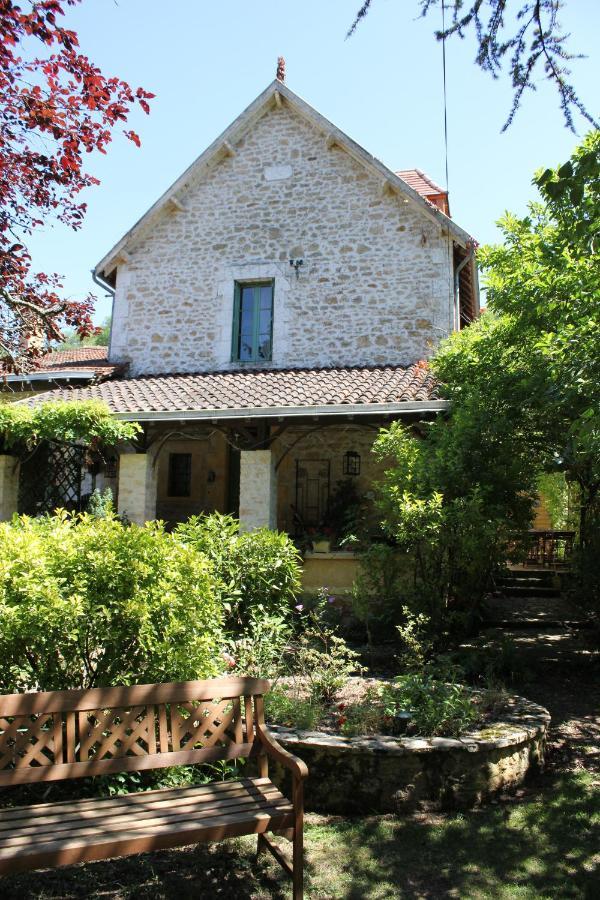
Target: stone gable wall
<point>375,286</point>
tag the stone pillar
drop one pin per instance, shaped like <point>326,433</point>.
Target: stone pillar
<point>258,490</point>
<point>137,487</point>
<point>9,486</point>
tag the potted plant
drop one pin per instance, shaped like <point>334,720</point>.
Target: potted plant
<point>321,540</point>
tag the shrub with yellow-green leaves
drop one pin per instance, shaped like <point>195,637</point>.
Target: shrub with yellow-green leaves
<point>90,602</point>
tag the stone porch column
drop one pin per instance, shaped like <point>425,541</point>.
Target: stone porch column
<point>137,487</point>
<point>258,490</point>
<point>9,486</point>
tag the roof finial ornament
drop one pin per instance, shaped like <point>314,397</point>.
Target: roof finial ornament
<point>280,75</point>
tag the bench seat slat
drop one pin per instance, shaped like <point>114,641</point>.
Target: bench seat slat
<point>148,823</point>
<point>123,833</point>
<point>10,817</point>
<point>102,817</point>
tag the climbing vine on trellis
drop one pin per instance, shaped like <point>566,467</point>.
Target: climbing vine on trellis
<point>86,423</point>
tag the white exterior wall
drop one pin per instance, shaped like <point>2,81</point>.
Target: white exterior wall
<point>375,287</point>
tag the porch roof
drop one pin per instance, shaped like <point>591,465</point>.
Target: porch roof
<point>264,393</point>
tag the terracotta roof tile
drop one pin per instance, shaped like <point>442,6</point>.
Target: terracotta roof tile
<point>423,185</point>
<point>76,360</point>
<point>420,182</point>
<point>252,389</point>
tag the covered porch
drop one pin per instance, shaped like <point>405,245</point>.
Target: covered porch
<point>284,449</point>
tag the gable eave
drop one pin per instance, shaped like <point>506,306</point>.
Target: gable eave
<point>223,143</point>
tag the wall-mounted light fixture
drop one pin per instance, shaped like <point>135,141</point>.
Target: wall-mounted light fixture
<point>351,463</point>
<point>211,476</point>
<point>296,264</point>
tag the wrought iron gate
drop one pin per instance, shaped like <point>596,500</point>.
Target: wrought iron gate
<point>312,490</point>
<point>51,478</point>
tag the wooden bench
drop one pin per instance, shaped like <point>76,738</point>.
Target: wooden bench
<point>74,734</point>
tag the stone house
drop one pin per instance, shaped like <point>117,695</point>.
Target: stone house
<point>274,309</point>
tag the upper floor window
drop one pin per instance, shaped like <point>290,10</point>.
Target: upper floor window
<point>252,321</point>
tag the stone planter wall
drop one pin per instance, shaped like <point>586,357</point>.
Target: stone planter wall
<point>388,774</point>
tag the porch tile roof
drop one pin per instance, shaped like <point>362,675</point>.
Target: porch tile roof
<point>258,389</point>
<point>78,358</point>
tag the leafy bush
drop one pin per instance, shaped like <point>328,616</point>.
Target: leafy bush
<point>260,649</point>
<point>256,568</point>
<point>452,504</point>
<point>87,601</point>
<point>100,503</point>
<point>437,707</point>
<point>89,422</point>
<point>296,712</point>
<point>381,588</point>
<point>318,657</point>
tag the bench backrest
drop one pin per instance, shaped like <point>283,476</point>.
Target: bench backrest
<point>73,734</point>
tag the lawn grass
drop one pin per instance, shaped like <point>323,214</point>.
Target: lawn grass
<point>544,844</point>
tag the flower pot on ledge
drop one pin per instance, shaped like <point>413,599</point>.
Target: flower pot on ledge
<point>321,546</point>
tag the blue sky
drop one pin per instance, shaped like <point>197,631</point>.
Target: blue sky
<point>207,61</point>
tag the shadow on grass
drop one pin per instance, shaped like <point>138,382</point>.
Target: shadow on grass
<point>544,845</point>
<point>226,871</point>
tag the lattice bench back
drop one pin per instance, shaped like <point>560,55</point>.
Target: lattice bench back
<point>73,734</point>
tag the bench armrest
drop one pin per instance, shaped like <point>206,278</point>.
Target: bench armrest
<point>274,749</point>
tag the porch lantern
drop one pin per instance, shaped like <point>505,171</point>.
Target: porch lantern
<point>351,463</point>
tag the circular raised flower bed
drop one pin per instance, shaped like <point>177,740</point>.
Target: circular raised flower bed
<point>380,773</point>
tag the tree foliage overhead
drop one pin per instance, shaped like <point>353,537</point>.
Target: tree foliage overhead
<point>55,106</point>
<point>535,357</point>
<point>524,35</point>
<point>524,381</point>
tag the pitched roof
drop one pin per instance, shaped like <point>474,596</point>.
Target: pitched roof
<point>82,362</point>
<point>77,358</point>
<point>251,391</point>
<point>224,145</point>
<point>423,185</point>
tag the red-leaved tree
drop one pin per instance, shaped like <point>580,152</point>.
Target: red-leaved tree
<point>55,106</point>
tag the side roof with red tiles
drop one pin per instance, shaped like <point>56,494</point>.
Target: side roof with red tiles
<point>426,187</point>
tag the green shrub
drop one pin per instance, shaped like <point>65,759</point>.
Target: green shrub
<point>296,712</point>
<point>260,650</point>
<point>87,601</point>
<point>317,657</point>
<point>256,568</point>
<point>437,707</point>
<point>365,716</point>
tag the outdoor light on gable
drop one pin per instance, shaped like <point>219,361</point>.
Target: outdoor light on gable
<point>351,463</point>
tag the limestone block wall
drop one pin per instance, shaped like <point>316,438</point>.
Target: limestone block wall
<point>378,773</point>
<point>258,491</point>
<point>9,486</point>
<point>375,286</point>
<point>137,487</point>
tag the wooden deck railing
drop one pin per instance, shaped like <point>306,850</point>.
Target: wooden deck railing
<point>550,549</point>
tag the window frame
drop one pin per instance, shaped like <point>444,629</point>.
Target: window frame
<point>237,310</point>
